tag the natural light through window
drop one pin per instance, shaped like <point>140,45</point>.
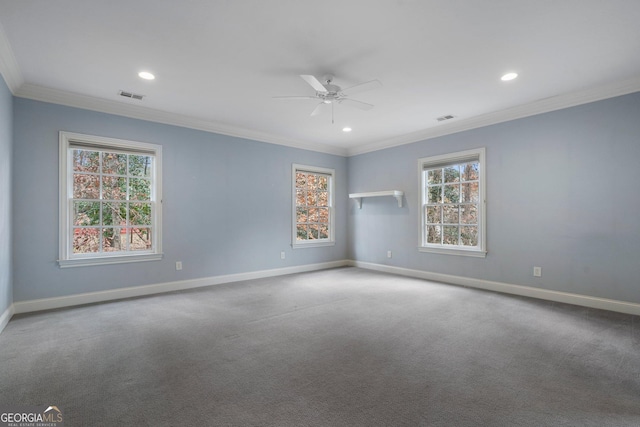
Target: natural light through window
<point>312,206</point>
<point>453,214</point>
<point>109,200</point>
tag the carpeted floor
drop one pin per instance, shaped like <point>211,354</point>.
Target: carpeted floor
<point>342,347</point>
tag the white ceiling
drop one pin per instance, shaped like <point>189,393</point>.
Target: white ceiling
<point>218,64</point>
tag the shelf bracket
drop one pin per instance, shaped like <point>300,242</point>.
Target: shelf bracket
<point>399,199</point>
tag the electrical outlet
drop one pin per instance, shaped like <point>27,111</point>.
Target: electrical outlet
<point>388,254</point>
<point>537,271</point>
<point>282,255</point>
<point>178,265</point>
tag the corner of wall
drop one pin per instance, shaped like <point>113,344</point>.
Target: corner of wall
<point>5,317</point>
<point>6,196</point>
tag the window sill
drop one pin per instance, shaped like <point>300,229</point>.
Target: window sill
<point>120,259</point>
<point>312,245</point>
<point>454,251</point>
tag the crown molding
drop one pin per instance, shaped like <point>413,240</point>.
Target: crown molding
<point>545,105</point>
<point>9,68</point>
<point>10,71</point>
<point>70,99</point>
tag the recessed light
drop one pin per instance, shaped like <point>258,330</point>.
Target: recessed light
<point>146,75</point>
<point>346,129</point>
<point>509,76</point>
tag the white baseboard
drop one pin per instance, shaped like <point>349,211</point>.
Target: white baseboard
<point>545,294</point>
<point>6,316</point>
<point>136,291</point>
<point>115,294</point>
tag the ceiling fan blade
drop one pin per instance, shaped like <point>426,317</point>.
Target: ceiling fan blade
<point>294,97</point>
<point>320,108</point>
<point>357,104</point>
<point>373,84</point>
<point>315,83</point>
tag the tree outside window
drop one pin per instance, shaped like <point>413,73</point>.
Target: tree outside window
<point>109,200</point>
<point>112,207</point>
<point>453,203</point>
<point>313,206</point>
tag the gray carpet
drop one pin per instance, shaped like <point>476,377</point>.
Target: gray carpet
<point>342,347</point>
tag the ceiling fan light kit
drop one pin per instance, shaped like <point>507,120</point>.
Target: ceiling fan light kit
<point>329,93</point>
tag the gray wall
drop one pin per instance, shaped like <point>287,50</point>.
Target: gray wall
<point>561,189</point>
<point>562,193</point>
<point>6,137</point>
<point>227,203</point>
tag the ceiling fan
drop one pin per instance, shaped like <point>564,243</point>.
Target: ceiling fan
<point>330,94</point>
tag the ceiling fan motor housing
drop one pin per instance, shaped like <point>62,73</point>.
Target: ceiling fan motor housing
<point>332,93</point>
<point>329,93</point>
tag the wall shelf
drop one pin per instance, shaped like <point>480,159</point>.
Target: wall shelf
<point>393,193</point>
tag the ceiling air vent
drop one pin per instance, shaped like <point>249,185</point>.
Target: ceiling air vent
<point>131,95</point>
<point>443,118</point>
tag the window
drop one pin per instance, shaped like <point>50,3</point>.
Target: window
<point>453,203</point>
<point>312,206</point>
<point>110,200</point>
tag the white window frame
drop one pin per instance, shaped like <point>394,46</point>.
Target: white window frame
<point>477,154</point>
<point>297,244</point>
<point>66,256</point>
